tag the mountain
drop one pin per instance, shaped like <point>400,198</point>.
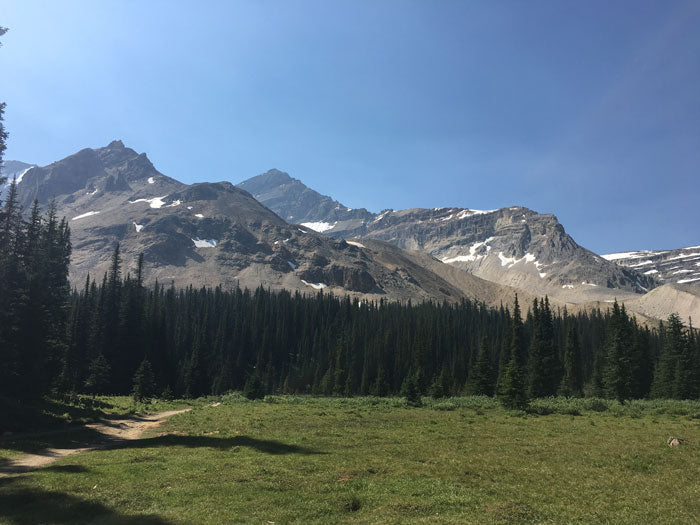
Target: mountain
<point>12,169</point>
<point>680,266</point>
<point>513,246</point>
<point>296,203</point>
<point>210,233</point>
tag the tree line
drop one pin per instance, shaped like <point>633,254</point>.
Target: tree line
<point>117,336</point>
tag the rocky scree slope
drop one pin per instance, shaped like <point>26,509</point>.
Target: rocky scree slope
<point>204,234</point>
<point>512,246</point>
<point>681,266</point>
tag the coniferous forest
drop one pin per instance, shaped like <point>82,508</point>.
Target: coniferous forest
<point>114,335</point>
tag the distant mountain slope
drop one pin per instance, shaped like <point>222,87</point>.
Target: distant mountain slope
<point>296,203</point>
<point>205,234</point>
<point>511,246</point>
<point>12,169</point>
<point>680,266</point>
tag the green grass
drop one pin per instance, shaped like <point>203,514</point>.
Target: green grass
<point>30,426</point>
<point>367,460</point>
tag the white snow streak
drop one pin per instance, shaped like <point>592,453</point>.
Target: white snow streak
<point>319,226</point>
<point>472,253</point>
<point>358,244</point>
<point>88,214</point>
<point>682,281</point>
<point>469,213</point>
<point>623,255</point>
<point>317,286</point>
<point>205,243</point>
<point>199,215</point>
<point>155,202</point>
<point>21,175</point>
<point>151,180</point>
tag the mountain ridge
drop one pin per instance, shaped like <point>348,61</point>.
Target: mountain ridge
<point>514,246</point>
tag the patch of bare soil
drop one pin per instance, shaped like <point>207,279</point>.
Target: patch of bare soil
<point>110,431</point>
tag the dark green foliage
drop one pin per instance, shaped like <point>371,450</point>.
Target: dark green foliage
<point>677,369</point>
<point>144,384</point>
<point>380,387</point>
<point>203,341</point>
<point>513,389</point>
<point>572,382</point>
<point>544,369</point>
<point>513,394</point>
<point>98,376</point>
<point>440,386</point>
<point>411,390</point>
<point>480,382</point>
<point>254,388</point>
<point>618,373</point>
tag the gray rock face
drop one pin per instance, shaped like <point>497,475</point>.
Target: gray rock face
<point>512,246</point>
<point>681,266</point>
<point>203,234</point>
<point>12,169</point>
<point>296,203</point>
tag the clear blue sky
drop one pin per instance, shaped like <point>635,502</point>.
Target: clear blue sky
<point>586,109</point>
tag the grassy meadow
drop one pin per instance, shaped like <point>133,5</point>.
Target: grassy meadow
<point>374,460</point>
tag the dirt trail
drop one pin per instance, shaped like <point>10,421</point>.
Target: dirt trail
<point>113,431</point>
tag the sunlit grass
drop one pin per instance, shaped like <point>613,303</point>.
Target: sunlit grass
<point>370,460</point>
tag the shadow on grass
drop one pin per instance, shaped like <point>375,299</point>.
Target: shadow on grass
<point>23,505</point>
<point>267,446</point>
<point>90,438</point>
<point>67,469</point>
<point>38,415</point>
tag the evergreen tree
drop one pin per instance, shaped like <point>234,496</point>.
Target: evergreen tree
<point>144,383</point>
<point>543,365</point>
<point>480,381</point>
<point>254,388</point>
<point>572,382</point>
<point>665,376</point>
<point>380,388</point>
<point>440,387</point>
<point>410,390</point>
<point>513,394</point>
<point>98,376</point>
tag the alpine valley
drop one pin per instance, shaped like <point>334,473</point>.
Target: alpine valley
<point>272,230</point>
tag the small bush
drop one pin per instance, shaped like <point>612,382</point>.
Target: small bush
<point>352,504</point>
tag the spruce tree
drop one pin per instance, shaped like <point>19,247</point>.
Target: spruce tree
<point>480,381</point>
<point>572,382</point>
<point>411,391</point>
<point>254,388</point>
<point>617,374</point>
<point>98,376</point>
<point>144,383</point>
<point>513,390</point>
<point>666,383</point>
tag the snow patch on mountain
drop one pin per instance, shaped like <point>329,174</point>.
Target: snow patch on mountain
<point>317,286</point>
<point>88,214</point>
<point>155,202</point>
<point>473,256</point>
<point>205,243</point>
<point>320,227</point>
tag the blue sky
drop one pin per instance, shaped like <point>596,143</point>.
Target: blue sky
<point>588,110</point>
